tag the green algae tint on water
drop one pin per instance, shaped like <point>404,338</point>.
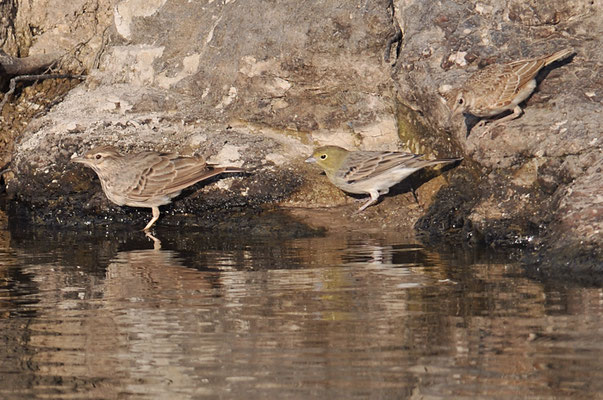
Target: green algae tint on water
<point>107,316</point>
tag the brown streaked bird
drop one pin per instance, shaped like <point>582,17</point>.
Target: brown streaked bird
<point>148,179</point>
<point>497,88</point>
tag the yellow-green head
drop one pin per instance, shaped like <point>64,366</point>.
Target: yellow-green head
<point>329,158</point>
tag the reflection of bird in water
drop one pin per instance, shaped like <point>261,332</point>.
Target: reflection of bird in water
<point>407,262</point>
<point>158,306</point>
<point>147,273</point>
<point>376,254</point>
<point>156,242</point>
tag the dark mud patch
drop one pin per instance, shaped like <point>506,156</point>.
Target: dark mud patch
<point>526,238</point>
<point>446,219</point>
<point>576,264</point>
<point>78,202</point>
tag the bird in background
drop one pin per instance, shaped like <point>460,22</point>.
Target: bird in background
<point>369,172</point>
<point>148,179</point>
<point>497,88</point>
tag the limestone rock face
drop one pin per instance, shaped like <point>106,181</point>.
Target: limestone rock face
<point>252,85</point>
<point>259,84</point>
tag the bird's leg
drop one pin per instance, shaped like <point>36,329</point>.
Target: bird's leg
<point>486,124</point>
<point>414,194</point>
<point>482,123</point>
<point>517,111</point>
<point>374,197</point>
<point>152,221</point>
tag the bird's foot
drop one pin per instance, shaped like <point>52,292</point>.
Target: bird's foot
<point>484,127</point>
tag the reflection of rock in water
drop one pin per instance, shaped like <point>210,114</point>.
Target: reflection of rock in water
<point>339,316</point>
<point>6,260</point>
<point>4,233</point>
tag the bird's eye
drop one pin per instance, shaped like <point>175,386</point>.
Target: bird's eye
<point>323,156</point>
<point>461,101</point>
<point>98,156</point>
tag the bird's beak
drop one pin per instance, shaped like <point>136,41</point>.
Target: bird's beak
<point>80,160</point>
<point>456,110</point>
<point>450,115</point>
<point>310,160</point>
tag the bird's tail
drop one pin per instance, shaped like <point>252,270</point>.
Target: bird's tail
<point>426,163</point>
<point>445,160</point>
<point>559,55</point>
<point>215,170</point>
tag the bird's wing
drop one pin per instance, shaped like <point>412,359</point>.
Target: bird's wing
<point>517,74</point>
<point>524,71</point>
<point>513,77</point>
<point>168,174</point>
<point>365,165</point>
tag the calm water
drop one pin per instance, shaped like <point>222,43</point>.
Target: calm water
<point>106,316</point>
